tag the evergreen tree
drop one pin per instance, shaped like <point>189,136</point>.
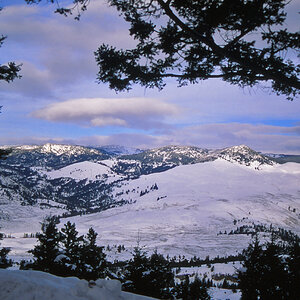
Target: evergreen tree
<point>8,71</point>
<point>67,254</point>
<point>198,290</point>
<point>5,262</point>
<point>250,279</point>
<point>91,261</point>
<point>293,267</point>
<point>149,276</point>
<point>70,244</point>
<point>46,252</point>
<point>274,275</point>
<point>238,41</point>
<point>160,276</point>
<point>194,290</point>
<point>134,272</point>
<point>270,272</point>
<point>4,152</point>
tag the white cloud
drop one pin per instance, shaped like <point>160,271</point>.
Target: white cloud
<point>61,47</point>
<point>34,82</point>
<point>142,113</point>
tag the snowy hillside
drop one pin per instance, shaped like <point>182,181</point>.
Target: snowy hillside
<point>193,203</point>
<point>178,199</point>
<point>183,210</point>
<point>85,170</point>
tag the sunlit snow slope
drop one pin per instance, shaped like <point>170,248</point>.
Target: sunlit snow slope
<point>185,198</point>
<point>194,202</point>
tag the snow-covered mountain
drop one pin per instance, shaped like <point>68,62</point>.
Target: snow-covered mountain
<point>117,150</point>
<point>52,156</point>
<point>83,178</point>
<point>175,198</point>
<point>283,158</point>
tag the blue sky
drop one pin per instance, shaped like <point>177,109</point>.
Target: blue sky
<point>58,99</point>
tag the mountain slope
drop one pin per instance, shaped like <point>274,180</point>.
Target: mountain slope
<point>165,158</point>
<point>83,178</point>
<point>52,156</point>
<point>194,202</point>
<point>183,210</point>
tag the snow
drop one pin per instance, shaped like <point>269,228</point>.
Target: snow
<point>25,147</point>
<point>289,168</point>
<point>30,285</point>
<point>192,204</point>
<point>195,203</point>
<point>224,294</point>
<point>217,268</point>
<point>83,170</point>
<point>58,149</point>
<point>120,150</point>
<point>216,272</point>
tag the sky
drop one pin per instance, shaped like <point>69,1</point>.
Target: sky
<point>58,100</point>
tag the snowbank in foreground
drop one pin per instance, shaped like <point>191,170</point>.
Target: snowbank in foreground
<point>30,285</point>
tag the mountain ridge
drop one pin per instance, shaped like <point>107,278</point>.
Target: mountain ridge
<point>82,178</point>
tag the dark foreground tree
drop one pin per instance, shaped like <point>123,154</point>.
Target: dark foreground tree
<point>270,272</point>
<point>243,42</point>
<point>70,249</point>
<point>149,276</point>
<point>5,262</point>
<point>9,71</point>
<point>153,276</point>
<point>64,253</point>
<point>91,264</point>
<point>4,153</point>
<point>47,250</point>
<point>195,290</point>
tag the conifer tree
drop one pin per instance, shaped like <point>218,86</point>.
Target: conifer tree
<point>92,263</point>
<point>274,274</point>
<point>250,278</point>
<point>194,290</point>
<point>5,262</point>
<point>160,276</point>
<point>70,243</point>
<point>239,41</point>
<point>46,252</point>
<point>293,267</point>
<point>270,272</point>
<point>149,276</point>
<point>134,272</point>
<point>4,152</point>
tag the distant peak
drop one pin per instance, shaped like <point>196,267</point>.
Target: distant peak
<point>118,150</point>
<point>244,155</point>
<point>60,149</point>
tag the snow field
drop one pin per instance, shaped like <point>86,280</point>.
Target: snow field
<point>184,215</point>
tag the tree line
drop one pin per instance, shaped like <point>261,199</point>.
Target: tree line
<point>270,270</point>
